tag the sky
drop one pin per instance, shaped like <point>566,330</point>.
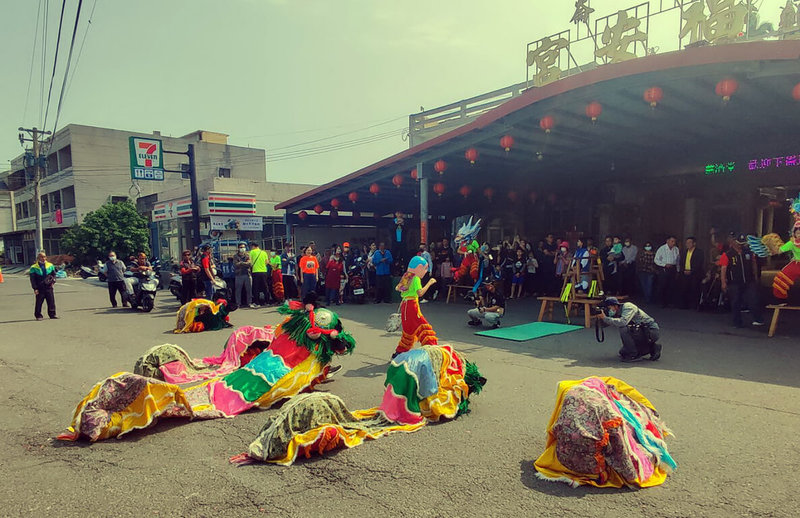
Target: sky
<point>294,77</point>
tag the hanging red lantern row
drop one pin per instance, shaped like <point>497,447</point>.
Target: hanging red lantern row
<point>726,88</point>
<point>472,155</point>
<point>593,110</point>
<point>507,142</point>
<point>513,197</point>
<point>796,92</point>
<point>489,193</point>
<point>397,180</point>
<point>653,96</point>
<point>547,123</point>
<point>302,215</point>
<point>353,197</point>
<point>335,203</point>
<point>375,189</point>
<point>415,175</point>
<point>440,166</point>
<point>439,188</point>
<point>318,209</point>
<point>334,213</point>
<point>465,191</point>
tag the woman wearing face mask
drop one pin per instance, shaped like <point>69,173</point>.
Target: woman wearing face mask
<point>646,270</point>
<point>115,278</point>
<point>562,260</point>
<point>309,266</point>
<point>334,270</point>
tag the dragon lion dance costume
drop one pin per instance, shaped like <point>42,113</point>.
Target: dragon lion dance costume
<point>415,327</point>
<point>604,433</point>
<point>294,360</point>
<point>772,244</point>
<point>422,385</point>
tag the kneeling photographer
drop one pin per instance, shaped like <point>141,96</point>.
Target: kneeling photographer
<point>638,331</point>
<point>489,308</point>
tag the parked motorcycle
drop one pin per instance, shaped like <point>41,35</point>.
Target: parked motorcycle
<point>221,290</point>
<point>355,275</point>
<point>144,292</point>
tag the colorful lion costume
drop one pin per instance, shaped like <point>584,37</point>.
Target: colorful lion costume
<point>604,433</point>
<point>422,385</point>
<point>468,246</point>
<point>294,361</point>
<point>202,315</point>
<point>772,244</point>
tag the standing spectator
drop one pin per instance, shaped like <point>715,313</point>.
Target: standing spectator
<point>667,259</point>
<point>289,271</point>
<point>243,279</point>
<point>531,267</point>
<point>518,270</point>
<point>334,270</point>
<point>229,274</point>
<point>739,278</point>
<point>548,265</point>
<point>399,236</point>
<point>208,272</point>
<point>691,275</point>
<point>371,279</point>
<point>188,270</point>
<point>646,271</point>
<point>562,261</point>
<point>309,267</point>
<point>606,261</point>
<point>581,260</point>
<point>628,266</point>
<point>382,259</point>
<point>258,265</point>
<point>115,278</point>
<point>43,277</point>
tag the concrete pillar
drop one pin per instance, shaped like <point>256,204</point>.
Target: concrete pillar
<point>423,204</point>
<point>689,217</point>
<point>603,221</point>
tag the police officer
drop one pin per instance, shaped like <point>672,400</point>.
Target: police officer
<point>638,330</point>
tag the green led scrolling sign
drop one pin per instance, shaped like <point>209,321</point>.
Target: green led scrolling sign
<point>755,165</point>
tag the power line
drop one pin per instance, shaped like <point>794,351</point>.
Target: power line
<point>66,70</point>
<point>44,56</point>
<point>339,135</point>
<point>33,55</point>
<point>55,62</point>
<point>80,51</point>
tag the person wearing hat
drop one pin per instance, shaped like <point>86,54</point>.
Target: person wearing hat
<point>739,278</point>
<point>638,330</point>
<point>415,327</point>
<point>243,281</point>
<point>491,306</point>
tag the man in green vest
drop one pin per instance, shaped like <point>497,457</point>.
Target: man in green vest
<point>259,258</point>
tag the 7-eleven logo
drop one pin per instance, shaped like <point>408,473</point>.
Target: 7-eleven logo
<point>147,153</point>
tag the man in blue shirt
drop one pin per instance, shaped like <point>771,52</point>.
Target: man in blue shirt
<point>382,259</point>
<point>289,271</point>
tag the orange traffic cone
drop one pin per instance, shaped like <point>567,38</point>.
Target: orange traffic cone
<point>1,275</point>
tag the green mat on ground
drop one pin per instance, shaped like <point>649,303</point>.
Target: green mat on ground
<point>528,331</point>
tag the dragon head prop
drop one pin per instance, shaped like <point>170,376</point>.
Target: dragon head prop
<point>465,237</point>
<point>794,208</point>
<point>317,329</point>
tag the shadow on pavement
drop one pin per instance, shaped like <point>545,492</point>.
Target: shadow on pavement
<point>531,481</point>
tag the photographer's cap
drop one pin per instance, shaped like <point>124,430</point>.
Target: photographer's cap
<point>611,301</point>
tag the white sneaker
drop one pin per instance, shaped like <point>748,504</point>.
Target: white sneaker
<point>423,301</point>
<point>253,306</point>
<point>757,323</point>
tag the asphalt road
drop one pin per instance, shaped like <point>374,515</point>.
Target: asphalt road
<point>730,398</point>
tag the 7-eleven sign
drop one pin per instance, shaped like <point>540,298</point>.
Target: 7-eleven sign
<point>147,159</point>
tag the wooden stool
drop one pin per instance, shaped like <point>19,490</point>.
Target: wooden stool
<point>777,309</point>
<point>548,303</point>
<point>452,291</point>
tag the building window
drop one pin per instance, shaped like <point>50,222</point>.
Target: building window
<point>224,172</point>
<point>185,171</point>
<point>26,209</point>
<point>68,197</point>
<point>65,157</point>
<point>118,199</point>
<point>45,204</point>
<point>52,165</point>
<point>55,200</point>
<point>18,209</point>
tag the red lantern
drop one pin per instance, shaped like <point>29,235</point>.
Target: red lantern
<point>593,110</point>
<point>507,142</point>
<point>532,196</point>
<point>397,180</point>
<point>546,123</point>
<point>302,215</point>
<point>513,196</point>
<point>465,190</point>
<point>353,196</point>
<point>653,96</point>
<point>471,155</point>
<point>334,213</point>
<point>489,193</point>
<point>440,166</point>
<point>726,88</point>
<point>414,175</point>
<point>335,203</point>
<point>318,209</point>
<point>439,188</point>
<point>796,92</point>
<point>375,189</point>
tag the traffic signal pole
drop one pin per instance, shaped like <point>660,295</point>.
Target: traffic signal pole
<point>195,241</point>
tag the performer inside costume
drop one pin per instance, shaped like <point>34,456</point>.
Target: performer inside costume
<point>467,245</point>
<point>202,315</point>
<point>415,327</point>
<point>772,244</point>
<point>422,385</point>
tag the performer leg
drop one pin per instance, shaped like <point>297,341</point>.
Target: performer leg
<point>785,279</point>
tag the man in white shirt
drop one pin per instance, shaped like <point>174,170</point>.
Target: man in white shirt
<point>667,259</point>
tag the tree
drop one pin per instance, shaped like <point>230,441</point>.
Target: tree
<point>114,226</point>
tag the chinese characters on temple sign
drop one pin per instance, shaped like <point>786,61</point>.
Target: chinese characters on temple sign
<point>545,58</point>
<point>777,162</point>
<point>617,38</point>
<point>726,167</point>
<point>582,12</point>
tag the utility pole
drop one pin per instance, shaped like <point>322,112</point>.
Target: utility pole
<point>37,178</point>
<point>193,190</point>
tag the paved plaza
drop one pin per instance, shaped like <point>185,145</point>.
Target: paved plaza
<point>730,397</point>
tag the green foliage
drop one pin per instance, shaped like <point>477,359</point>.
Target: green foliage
<point>114,226</point>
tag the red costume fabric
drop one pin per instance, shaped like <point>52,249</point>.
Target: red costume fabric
<point>785,279</point>
<point>277,285</point>
<point>415,327</point>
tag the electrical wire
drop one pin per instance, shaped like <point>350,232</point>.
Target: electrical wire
<point>66,70</point>
<point>83,41</point>
<point>339,135</point>
<point>55,62</point>
<point>33,56</point>
<point>44,60</point>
